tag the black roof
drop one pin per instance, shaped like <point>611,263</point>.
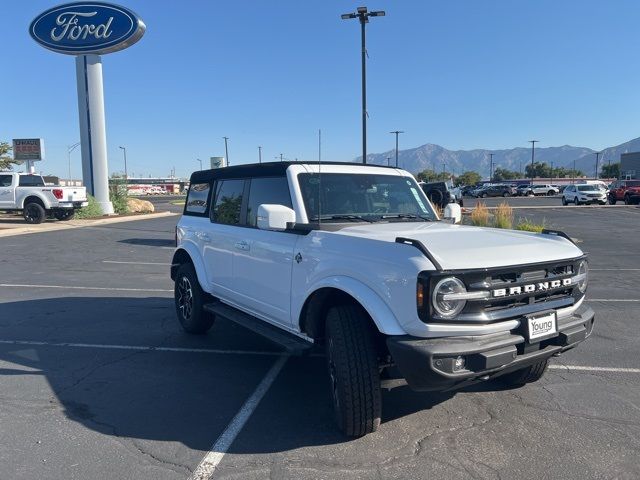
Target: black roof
<point>268,169</point>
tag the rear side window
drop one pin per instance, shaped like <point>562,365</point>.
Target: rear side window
<point>5,180</point>
<point>31,181</point>
<point>198,199</point>
<point>271,190</point>
<point>228,203</point>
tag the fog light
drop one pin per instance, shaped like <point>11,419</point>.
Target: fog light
<point>458,363</point>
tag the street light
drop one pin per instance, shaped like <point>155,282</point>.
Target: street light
<point>388,161</point>
<point>200,163</point>
<point>597,157</point>
<point>490,166</point>
<point>226,150</point>
<point>362,15</point>
<point>126,176</point>
<point>71,148</point>
<point>259,154</point>
<point>397,132</point>
<point>533,148</point>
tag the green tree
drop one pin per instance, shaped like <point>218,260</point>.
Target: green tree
<point>502,174</point>
<point>6,161</point>
<point>610,171</point>
<point>431,176</point>
<point>468,178</point>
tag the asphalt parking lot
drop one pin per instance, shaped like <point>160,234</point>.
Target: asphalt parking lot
<point>98,381</point>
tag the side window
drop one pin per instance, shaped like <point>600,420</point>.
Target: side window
<point>5,180</point>
<point>228,204</point>
<point>30,181</point>
<point>273,190</point>
<point>198,199</point>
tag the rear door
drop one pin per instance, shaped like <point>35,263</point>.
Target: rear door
<point>7,199</point>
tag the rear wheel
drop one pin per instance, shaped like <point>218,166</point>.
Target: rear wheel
<point>627,200</point>
<point>34,213</point>
<point>505,194</point>
<point>525,375</point>
<point>189,299</point>
<point>353,370</point>
<point>551,193</point>
<point>564,201</point>
<point>484,195</point>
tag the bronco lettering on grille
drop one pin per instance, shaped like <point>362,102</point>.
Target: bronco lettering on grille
<point>531,288</point>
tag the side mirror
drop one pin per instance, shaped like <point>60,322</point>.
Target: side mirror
<point>275,217</point>
<point>454,212</point>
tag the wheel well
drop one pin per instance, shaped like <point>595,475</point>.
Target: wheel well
<point>314,311</point>
<point>179,258</point>
<point>33,200</point>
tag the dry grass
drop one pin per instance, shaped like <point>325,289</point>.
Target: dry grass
<point>480,215</point>
<point>503,216</point>
<point>528,226</point>
<point>439,210</point>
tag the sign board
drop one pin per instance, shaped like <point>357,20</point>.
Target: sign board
<point>218,162</point>
<point>28,149</point>
<point>83,28</point>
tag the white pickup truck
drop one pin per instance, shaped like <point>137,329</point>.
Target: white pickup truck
<point>29,194</point>
<point>354,258</point>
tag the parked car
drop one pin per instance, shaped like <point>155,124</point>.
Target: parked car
<point>28,193</point>
<point>523,190</point>
<point>466,190</point>
<point>441,193</point>
<point>583,193</point>
<point>536,189</point>
<point>353,259</point>
<point>627,191</point>
<point>496,191</point>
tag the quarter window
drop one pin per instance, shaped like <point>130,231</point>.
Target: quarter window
<point>31,181</point>
<point>268,190</point>
<point>5,180</point>
<point>228,204</point>
<point>198,199</point>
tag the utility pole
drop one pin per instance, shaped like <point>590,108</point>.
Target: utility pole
<point>388,161</point>
<point>259,154</point>
<point>573,175</point>
<point>226,150</point>
<point>126,176</point>
<point>281,157</point>
<point>363,15</point>
<point>597,158</point>
<point>533,149</point>
<point>490,167</point>
<point>443,167</point>
<point>397,132</point>
<point>200,163</point>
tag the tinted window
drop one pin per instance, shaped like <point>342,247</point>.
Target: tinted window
<point>5,180</point>
<point>31,181</point>
<point>198,199</point>
<point>228,204</point>
<point>273,190</point>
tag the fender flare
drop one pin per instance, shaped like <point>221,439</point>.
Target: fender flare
<point>196,259</point>
<point>377,309</point>
<point>45,203</point>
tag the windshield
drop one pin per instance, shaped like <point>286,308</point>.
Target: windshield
<point>368,197</point>
<point>588,188</point>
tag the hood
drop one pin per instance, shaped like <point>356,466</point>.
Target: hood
<point>464,247</point>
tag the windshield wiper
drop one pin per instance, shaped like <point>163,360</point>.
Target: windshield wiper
<point>406,215</point>
<point>354,218</point>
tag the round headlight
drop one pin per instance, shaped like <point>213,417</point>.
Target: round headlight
<point>583,276</point>
<point>447,307</point>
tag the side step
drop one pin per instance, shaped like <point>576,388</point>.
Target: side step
<point>290,342</point>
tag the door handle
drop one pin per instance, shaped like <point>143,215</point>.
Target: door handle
<point>242,245</point>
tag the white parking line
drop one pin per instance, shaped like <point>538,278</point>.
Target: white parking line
<point>68,287</point>
<point>613,300</point>
<point>614,269</point>
<point>594,369</point>
<point>135,263</point>
<point>211,460</point>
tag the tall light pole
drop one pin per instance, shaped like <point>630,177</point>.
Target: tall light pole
<point>71,148</point>
<point>533,149</point>
<point>226,150</point>
<point>551,178</point>
<point>397,132</point>
<point>124,152</point>
<point>363,15</point>
<point>597,158</point>
<point>443,167</point>
<point>573,180</point>
<point>259,154</point>
<point>200,163</point>
<point>388,161</point>
<point>490,167</point>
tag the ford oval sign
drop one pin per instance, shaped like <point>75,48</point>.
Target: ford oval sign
<point>87,28</point>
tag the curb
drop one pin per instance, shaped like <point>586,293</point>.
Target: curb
<point>72,224</point>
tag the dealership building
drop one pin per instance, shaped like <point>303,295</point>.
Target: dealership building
<point>630,166</point>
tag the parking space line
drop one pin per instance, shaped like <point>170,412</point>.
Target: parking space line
<point>613,300</point>
<point>67,287</point>
<point>594,369</point>
<point>208,465</point>
<point>141,348</point>
<point>136,263</point>
<point>614,269</point>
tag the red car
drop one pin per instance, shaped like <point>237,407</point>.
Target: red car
<point>625,190</point>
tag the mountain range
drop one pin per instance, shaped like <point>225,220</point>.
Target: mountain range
<point>431,156</point>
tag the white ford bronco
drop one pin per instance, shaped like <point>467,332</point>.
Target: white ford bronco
<point>354,258</point>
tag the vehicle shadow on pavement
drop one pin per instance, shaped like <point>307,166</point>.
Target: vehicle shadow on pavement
<point>150,242</point>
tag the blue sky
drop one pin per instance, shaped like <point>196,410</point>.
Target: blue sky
<point>463,74</point>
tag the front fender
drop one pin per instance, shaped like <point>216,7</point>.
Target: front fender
<point>190,249</point>
<point>377,309</point>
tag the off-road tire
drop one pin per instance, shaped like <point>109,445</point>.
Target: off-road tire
<point>34,213</point>
<point>64,215</point>
<point>354,377</point>
<point>189,298</point>
<point>525,375</point>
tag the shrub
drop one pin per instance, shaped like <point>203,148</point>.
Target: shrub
<point>503,216</point>
<point>119,197</point>
<point>480,215</point>
<point>528,226</point>
<point>90,211</point>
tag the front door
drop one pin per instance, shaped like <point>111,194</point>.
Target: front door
<point>6,192</point>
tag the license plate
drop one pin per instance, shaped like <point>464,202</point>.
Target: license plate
<point>542,326</point>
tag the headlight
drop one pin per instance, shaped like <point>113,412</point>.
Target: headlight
<point>583,276</point>
<point>444,302</point>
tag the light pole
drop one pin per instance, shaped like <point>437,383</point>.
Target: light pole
<point>551,174</point>
<point>533,149</point>
<point>226,150</point>
<point>259,154</point>
<point>443,167</point>
<point>363,15</point>
<point>200,163</point>
<point>573,175</point>
<point>281,157</point>
<point>397,132</point>
<point>490,167</point>
<point>124,152</point>
<point>71,148</point>
<point>597,158</point>
<point>388,161</point>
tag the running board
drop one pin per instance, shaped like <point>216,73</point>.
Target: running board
<point>290,342</point>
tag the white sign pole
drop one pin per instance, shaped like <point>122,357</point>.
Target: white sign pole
<point>93,135</point>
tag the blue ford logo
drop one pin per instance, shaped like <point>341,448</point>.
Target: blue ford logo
<point>87,28</point>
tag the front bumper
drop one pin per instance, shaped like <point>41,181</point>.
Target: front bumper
<point>428,363</point>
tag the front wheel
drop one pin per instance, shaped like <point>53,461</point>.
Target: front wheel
<point>612,200</point>
<point>353,370</point>
<point>189,299</point>
<point>484,195</point>
<point>525,375</point>
<point>34,213</point>
<point>505,194</point>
